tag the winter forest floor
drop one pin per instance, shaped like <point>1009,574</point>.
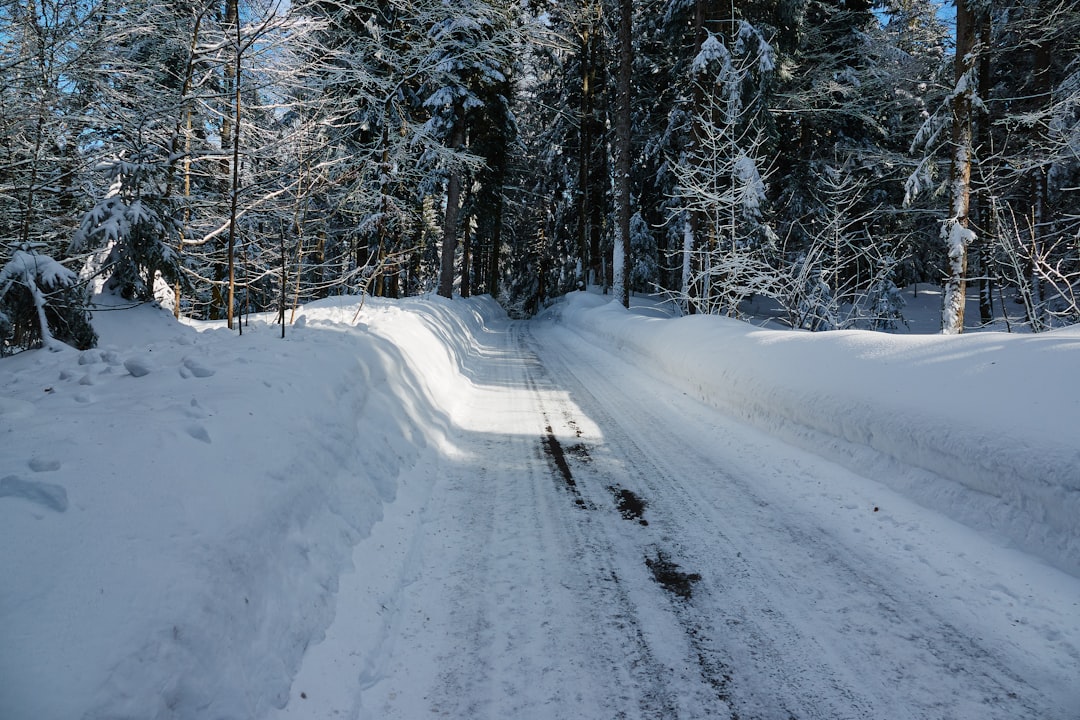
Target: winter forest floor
<point>436,511</point>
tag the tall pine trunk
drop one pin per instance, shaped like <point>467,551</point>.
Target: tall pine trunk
<point>466,257</point>
<point>585,150</point>
<point>233,23</point>
<point>453,205</point>
<point>620,263</point>
<point>981,213</point>
<point>956,232</point>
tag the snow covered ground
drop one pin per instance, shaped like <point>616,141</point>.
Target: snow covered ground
<point>594,514</point>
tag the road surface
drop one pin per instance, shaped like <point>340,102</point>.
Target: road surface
<point>595,544</point>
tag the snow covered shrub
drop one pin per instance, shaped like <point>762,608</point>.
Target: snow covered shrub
<point>884,304</point>
<point>42,303</point>
<point>644,264</point>
<point>812,305</point>
<point>134,225</point>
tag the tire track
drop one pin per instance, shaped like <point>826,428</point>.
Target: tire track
<point>752,647</point>
<point>711,672</point>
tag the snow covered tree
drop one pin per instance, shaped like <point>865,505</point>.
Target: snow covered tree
<point>1030,103</point>
<point>644,256</point>
<point>722,178</point>
<point>620,263</point>
<point>472,42</point>
<point>844,278</point>
<point>956,231</point>
<point>136,227</point>
<point>41,301</point>
<point>1006,196</point>
<point>50,87</point>
<point>548,223</point>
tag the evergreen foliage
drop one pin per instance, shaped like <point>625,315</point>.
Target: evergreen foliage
<point>42,303</point>
<point>209,154</point>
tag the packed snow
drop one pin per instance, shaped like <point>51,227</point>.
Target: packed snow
<point>360,519</point>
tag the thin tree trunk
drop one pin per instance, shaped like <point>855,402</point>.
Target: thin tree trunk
<point>480,256</point>
<point>184,124</point>
<point>956,231</point>
<point>39,129</point>
<point>1040,186</point>
<point>453,202</point>
<point>496,247</point>
<point>284,278</point>
<point>620,263</point>
<point>585,152</point>
<point>466,257</point>
<point>187,206</point>
<point>235,182</point>
<point>299,273</point>
<point>982,218</point>
<point>598,181</point>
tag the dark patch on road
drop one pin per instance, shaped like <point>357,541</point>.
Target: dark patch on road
<point>573,424</point>
<point>555,453</point>
<point>671,577</point>
<point>580,451</point>
<point>630,505</point>
<point>554,450</point>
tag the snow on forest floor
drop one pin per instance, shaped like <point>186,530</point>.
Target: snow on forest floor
<point>360,520</point>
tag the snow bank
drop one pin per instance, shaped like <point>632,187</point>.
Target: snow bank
<point>982,427</point>
<point>176,506</point>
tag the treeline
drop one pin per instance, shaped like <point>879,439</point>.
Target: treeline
<point>235,156</point>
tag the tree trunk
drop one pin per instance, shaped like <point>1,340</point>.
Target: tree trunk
<point>234,196</point>
<point>1039,181</point>
<point>598,181</point>
<point>983,218</point>
<point>593,179</point>
<point>466,260</point>
<point>620,263</point>
<point>955,231</point>
<point>480,255</point>
<point>585,151</point>
<point>453,202</point>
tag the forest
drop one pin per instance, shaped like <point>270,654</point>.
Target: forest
<point>228,157</point>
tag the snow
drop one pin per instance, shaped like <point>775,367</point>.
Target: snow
<point>198,524</point>
<point>977,432</point>
<point>712,50</point>
<point>26,267</point>
<point>211,505</point>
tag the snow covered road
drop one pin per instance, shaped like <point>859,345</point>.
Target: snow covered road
<point>598,545</point>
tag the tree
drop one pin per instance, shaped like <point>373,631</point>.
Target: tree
<point>135,226</point>
<point>720,180</point>
<point>41,301</point>
<point>620,263</point>
<point>471,57</point>
<point>1033,45</point>
<point>956,231</point>
<point>844,278</point>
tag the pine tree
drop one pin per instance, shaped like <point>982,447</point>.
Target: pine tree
<point>620,263</point>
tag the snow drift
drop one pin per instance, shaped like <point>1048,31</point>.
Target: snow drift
<point>176,506</point>
<point>982,427</point>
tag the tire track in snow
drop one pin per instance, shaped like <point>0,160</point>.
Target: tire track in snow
<point>602,591</point>
<point>749,614</point>
<point>710,671</point>
<point>522,606</point>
